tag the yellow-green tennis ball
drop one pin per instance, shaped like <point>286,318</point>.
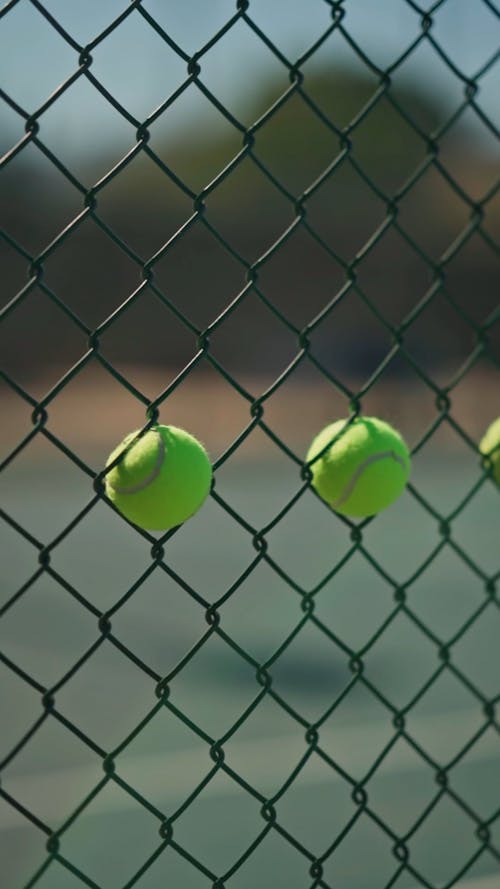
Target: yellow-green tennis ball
<point>161,480</point>
<point>362,472</point>
<point>490,447</point>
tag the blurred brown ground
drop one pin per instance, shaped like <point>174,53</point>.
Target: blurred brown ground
<point>94,412</point>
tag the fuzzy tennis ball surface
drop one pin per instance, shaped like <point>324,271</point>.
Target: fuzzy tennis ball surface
<point>161,480</point>
<point>362,472</point>
<point>490,447</point>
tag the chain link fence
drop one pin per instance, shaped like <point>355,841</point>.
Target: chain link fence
<point>343,152</point>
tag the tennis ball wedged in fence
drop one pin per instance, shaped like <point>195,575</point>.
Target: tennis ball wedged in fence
<point>489,446</point>
<point>364,470</point>
<point>162,479</point>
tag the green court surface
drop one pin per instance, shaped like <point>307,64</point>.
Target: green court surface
<point>48,630</point>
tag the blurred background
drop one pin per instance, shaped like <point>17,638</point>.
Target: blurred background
<point>209,207</point>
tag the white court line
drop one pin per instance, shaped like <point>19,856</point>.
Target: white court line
<point>57,789</point>
<point>491,882</point>
<point>477,883</point>
<point>482,883</point>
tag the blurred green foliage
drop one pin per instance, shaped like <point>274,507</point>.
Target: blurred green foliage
<point>370,148</point>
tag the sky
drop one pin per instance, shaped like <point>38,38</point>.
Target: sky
<point>140,70</point>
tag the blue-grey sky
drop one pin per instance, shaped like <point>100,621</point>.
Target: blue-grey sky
<point>140,70</point>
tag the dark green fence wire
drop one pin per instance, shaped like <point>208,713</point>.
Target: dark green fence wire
<point>251,290</point>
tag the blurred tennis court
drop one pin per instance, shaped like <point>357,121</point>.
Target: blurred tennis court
<point>48,630</point>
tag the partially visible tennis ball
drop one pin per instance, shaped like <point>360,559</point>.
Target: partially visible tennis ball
<point>489,446</point>
<point>364,471</point>
<point>161,480</point>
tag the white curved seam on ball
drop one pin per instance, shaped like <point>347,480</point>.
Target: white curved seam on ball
<point>346,493</point>
<point>153,475</point>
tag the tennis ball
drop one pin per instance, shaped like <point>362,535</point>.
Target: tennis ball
<point>362,472</point>
<point>162,478</point>
<point>489,446</point>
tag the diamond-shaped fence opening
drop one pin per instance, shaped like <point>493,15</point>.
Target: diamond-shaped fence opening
<point>247,219</point>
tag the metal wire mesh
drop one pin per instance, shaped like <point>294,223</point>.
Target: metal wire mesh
<point>298,202</point>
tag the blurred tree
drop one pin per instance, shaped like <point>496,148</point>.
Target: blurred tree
<point>296,144</point>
